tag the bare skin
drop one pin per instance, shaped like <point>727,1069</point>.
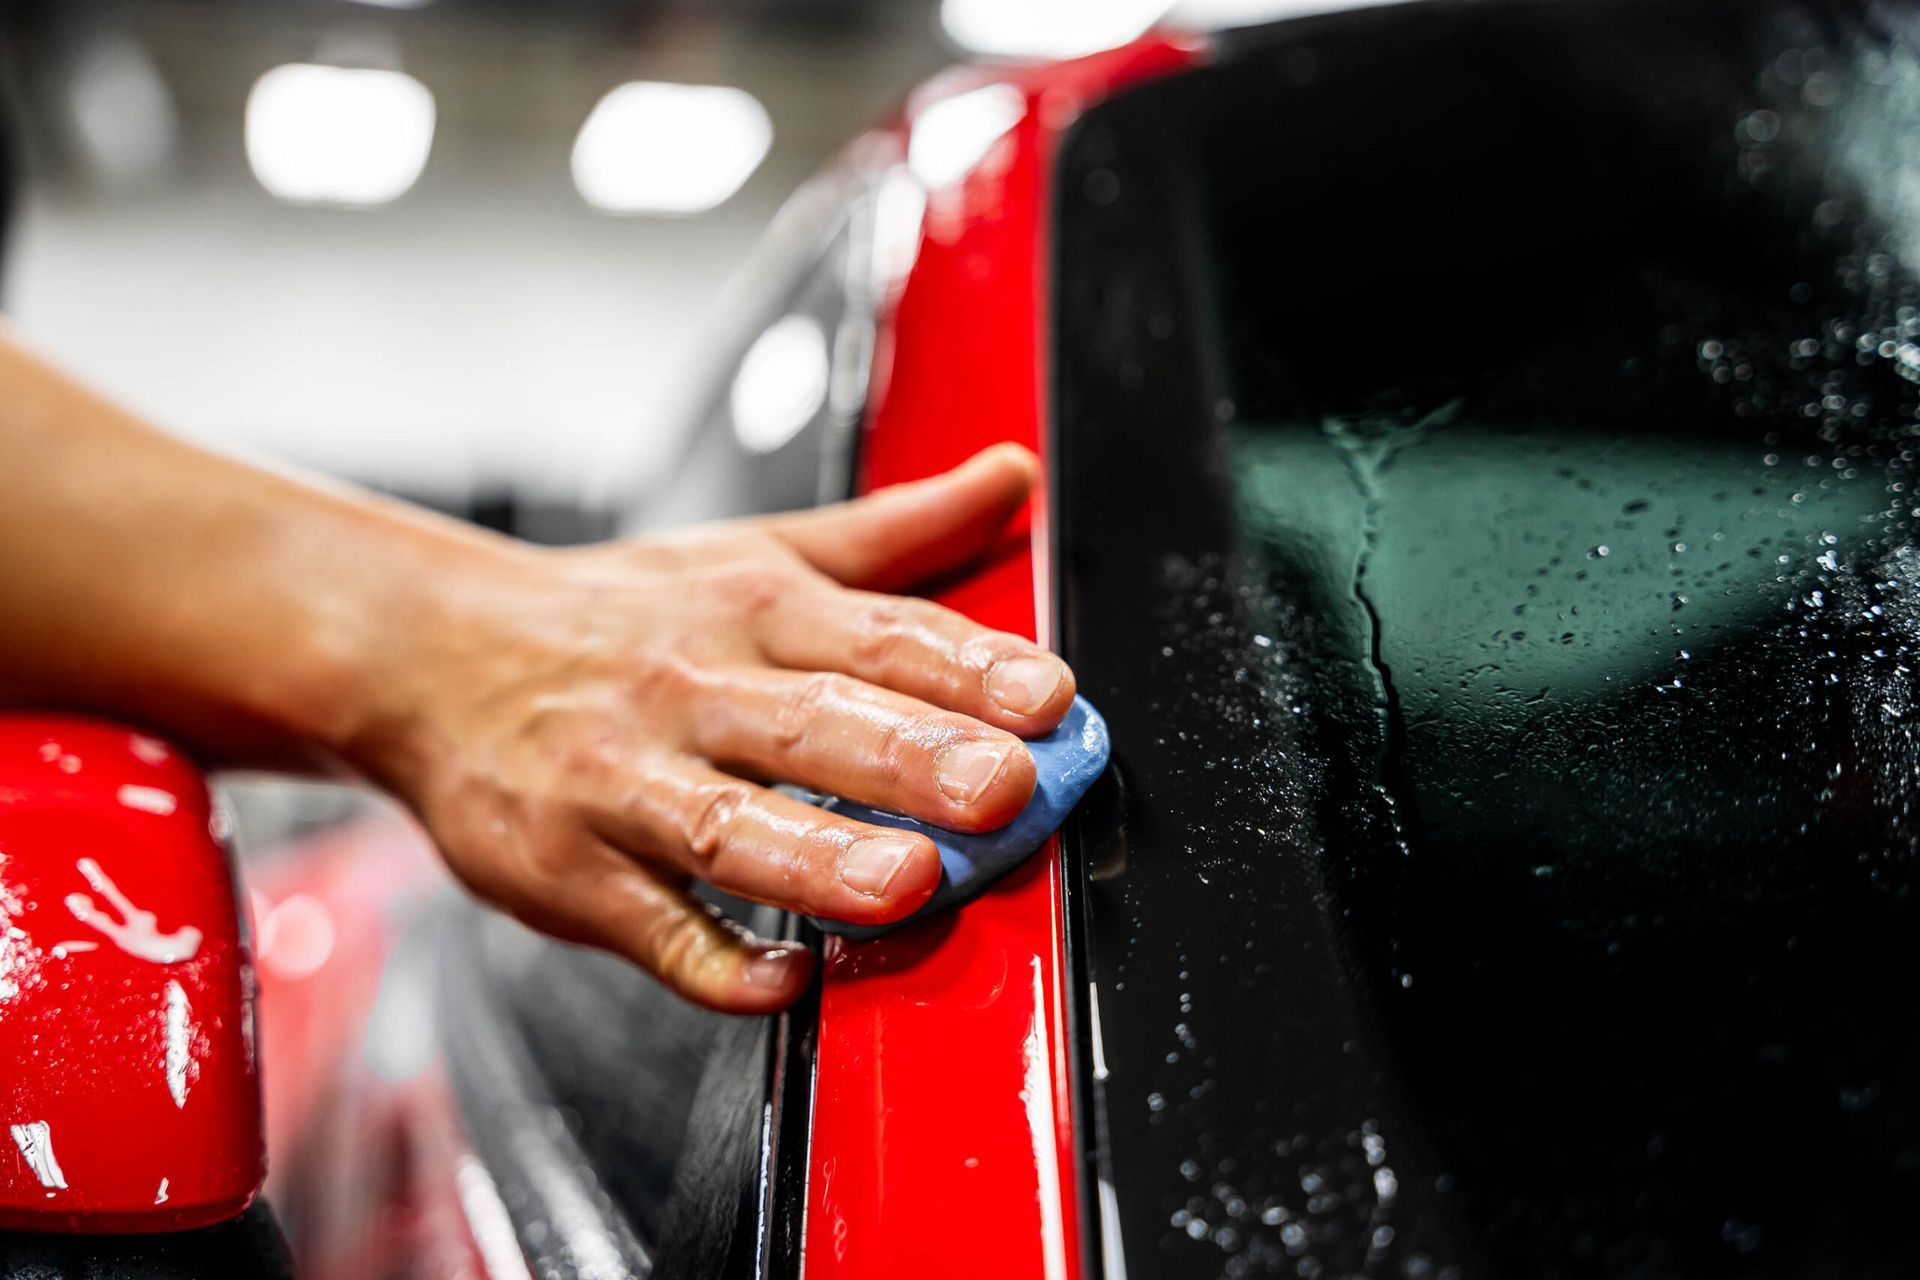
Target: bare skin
<point>584,732</point>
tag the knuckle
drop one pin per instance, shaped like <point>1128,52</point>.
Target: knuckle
<point>661,677</point>
<point>881,628</point>
<point>810,699</point>
<point>979,651</point>
<point>547,859</point>
<point>677,949</point>
<point>932,646</point>
<point>712,816</point>
<point>810,882</point>
<point>806,860</point>
<point>546,862</point>
<point>903,747</point>
<point>586,759</point>
<point>755,586</point>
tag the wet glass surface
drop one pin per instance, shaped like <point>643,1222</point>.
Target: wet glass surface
<point>1505,604</point>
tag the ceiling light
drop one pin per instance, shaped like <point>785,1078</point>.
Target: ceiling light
<point>649,147</point>
<point>338,135</point>
<point>1047,28</point>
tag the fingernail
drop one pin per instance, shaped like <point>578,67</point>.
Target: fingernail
<point>770,968</point>
<point>967,768</point>
<point>869,865</point>
<point>1024,685</point>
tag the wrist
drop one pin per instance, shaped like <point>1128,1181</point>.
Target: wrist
<point>407,628</point>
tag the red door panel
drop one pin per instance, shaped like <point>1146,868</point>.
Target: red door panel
<point>942,1131</point>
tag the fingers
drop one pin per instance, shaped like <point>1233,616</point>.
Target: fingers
<point>834,733</point>
<point>911,532</point>
<point>923,649</point>
<point>607,901</point>
<point>761,845</point>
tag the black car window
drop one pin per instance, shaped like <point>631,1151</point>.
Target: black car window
<point>1486,439</point>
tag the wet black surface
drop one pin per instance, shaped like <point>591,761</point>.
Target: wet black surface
<point>248,1248</point>
<point>1486,441</point>
<point>627,1131</point>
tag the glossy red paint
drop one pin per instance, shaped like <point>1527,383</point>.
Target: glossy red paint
<point>128,1088</point>
<point>942,1137</point>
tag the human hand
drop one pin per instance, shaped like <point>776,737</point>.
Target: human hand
<point>587,731</point>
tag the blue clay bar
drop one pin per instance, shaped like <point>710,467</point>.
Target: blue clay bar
<point>1066,762</point>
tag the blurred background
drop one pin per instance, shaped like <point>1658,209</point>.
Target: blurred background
<point>466,251</point>
<point>379,240</point>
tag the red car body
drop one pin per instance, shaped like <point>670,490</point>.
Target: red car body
<point>130,1088</point>
<point>1553,975</point>
<point>943,1090</point>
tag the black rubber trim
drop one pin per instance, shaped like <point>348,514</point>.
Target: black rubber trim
<point>738,1204</point>
<point>248,1248</point>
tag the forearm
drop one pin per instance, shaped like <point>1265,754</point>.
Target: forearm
<point>577,729</point>
<point>247,610</point>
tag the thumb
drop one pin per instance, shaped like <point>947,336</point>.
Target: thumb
<point>911,532</point>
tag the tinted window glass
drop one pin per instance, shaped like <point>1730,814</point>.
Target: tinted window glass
<point>1486,442</point>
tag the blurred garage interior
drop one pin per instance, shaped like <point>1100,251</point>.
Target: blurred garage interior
<point>464,251</point>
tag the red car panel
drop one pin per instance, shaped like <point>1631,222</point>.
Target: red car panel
<point>127,1077</point>
<point>942,1128</point>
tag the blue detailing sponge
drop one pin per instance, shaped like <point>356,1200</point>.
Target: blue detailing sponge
<point>1066,762</point>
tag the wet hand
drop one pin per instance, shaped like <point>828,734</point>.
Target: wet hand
<point>586,732</point>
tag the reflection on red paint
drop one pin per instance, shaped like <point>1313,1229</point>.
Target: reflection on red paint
<point>296,937</point>
<point>127,1074</point>
<point>942,1132</point>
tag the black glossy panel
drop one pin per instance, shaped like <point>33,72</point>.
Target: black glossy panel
<point>573,1072</point>
<point>1486,439</point>
<point>623,1126</point>
<point>248,1248</point>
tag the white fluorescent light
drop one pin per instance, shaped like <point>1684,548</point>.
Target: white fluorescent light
<point>338,135</point>
<point>649,147</point>
<point>781,384</point>
<point>953,135</point>
<point>1047,28</point>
